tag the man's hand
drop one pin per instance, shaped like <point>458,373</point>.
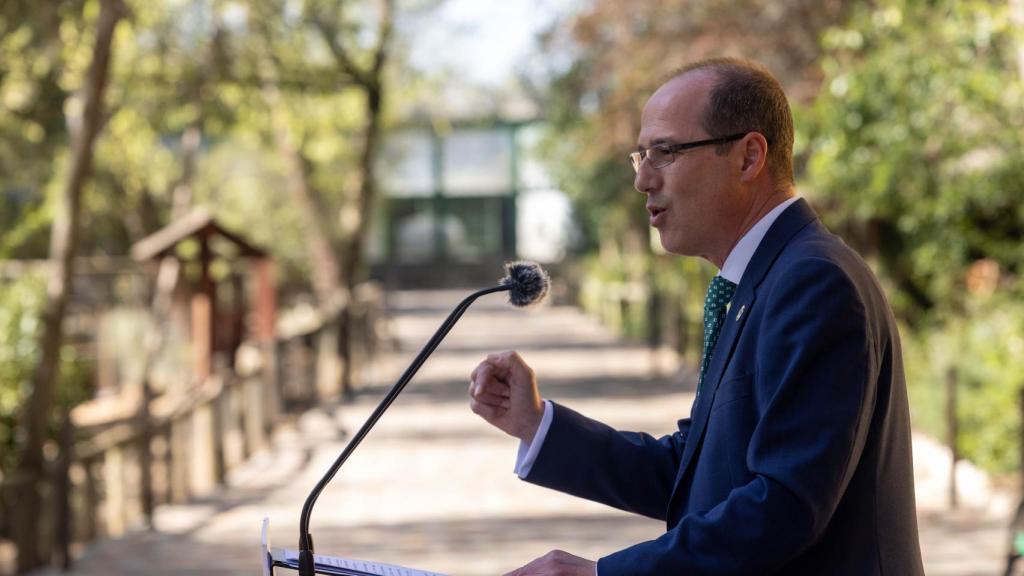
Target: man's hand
<point>557,563</point>
<point>503,391</point>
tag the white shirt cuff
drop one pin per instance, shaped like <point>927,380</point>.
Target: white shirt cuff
<point>528,452</point>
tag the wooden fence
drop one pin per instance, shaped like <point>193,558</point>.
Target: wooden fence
<point>106,481</point>
<point>664,321</point>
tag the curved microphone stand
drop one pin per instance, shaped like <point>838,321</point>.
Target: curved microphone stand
<point>306,564</point>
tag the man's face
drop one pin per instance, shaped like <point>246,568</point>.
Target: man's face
<point>692,201</point>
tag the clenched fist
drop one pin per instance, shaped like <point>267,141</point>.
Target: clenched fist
<point>503,391</point>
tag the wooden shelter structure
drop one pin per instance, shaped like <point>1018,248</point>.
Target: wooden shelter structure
<point>211,288</point>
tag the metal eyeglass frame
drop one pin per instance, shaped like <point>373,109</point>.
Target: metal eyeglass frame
<point>671,150</point>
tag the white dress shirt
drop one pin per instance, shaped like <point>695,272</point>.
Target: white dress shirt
<point>732,270</point>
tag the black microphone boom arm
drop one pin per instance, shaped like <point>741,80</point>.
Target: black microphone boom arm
<point>306,564</point>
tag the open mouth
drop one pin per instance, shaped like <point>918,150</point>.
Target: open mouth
<point>655,212</point>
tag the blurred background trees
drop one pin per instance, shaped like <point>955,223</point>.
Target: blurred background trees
<point>272,92</point>
<point>910,128</point>
<point>915,151</point>
<point>910,143</point>
<point>915,145</point>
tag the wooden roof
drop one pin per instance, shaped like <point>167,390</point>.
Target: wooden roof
<point>198,223</point>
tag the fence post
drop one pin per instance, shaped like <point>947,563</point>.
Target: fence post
<point>655,310</point>
<point>179,470</point>
<point>328,362</point>
<point>1022,439</point>
<point>202,447</point>
<point>91,512</point>
<point>230,424</point>
<point>952,433</point>
<point>166,461</point>
<point>272,383</point>
<point>62,494</point>
<point>113,483</point>
<point>146,455</point>
<point>655,325</point>
<point>254,411</point>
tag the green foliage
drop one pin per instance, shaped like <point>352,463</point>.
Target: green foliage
<point>912,149</point>
<point>33,93</point>
<point>179,65</point>
<point>19,322</point>
<point>916,147</point>
<point>985,349</point>
<point>178,68</point>
<point>917,143</point>
<point>244,183</point>
<point>20,305</point>
<point>620,289</point>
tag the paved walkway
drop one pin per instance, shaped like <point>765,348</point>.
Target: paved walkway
<point>432,487</point>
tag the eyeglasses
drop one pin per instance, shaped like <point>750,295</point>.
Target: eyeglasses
<point>661,155</point>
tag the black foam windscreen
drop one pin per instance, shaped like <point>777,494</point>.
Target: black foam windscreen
<point>527,282</point>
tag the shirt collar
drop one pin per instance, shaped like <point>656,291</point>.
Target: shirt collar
<point>741,254</point>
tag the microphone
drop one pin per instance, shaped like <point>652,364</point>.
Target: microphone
<point>526,284</point>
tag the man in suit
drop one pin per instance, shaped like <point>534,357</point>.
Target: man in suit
<point>796,458</point>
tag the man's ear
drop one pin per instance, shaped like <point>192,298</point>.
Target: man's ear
<point>755,155</point>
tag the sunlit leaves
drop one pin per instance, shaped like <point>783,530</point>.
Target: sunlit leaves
<point>19,320</point>
<point>915,135</point>
<point>928,182</point>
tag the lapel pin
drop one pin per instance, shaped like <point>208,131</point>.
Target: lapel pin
<point>740,313</point>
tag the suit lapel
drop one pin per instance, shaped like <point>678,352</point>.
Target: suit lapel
<point>743,300</point>
<point>791,221</point>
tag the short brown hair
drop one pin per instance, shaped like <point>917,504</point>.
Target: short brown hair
<point>746,97</point>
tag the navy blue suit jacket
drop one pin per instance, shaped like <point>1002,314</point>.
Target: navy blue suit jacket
<point>797,456</point>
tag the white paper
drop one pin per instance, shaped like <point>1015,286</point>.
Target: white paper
<point>360,565</point>
<point>265,560</point>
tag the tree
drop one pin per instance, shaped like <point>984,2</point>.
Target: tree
<point>917,145</point>
<point>370,79</point>
<point>65,230</point>
<point>281,43</point>
<point>32,127</point>
<point>297,125</point>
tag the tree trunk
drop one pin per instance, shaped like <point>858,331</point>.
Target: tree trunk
<point>352,256</point>
<point>326,267</point>
<point>62,244</point>
<point>352,253</point>
<point>181,197</point>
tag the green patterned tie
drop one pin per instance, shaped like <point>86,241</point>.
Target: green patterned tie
<point>719,294</point>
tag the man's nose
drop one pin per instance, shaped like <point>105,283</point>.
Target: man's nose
<point>645,179</point>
